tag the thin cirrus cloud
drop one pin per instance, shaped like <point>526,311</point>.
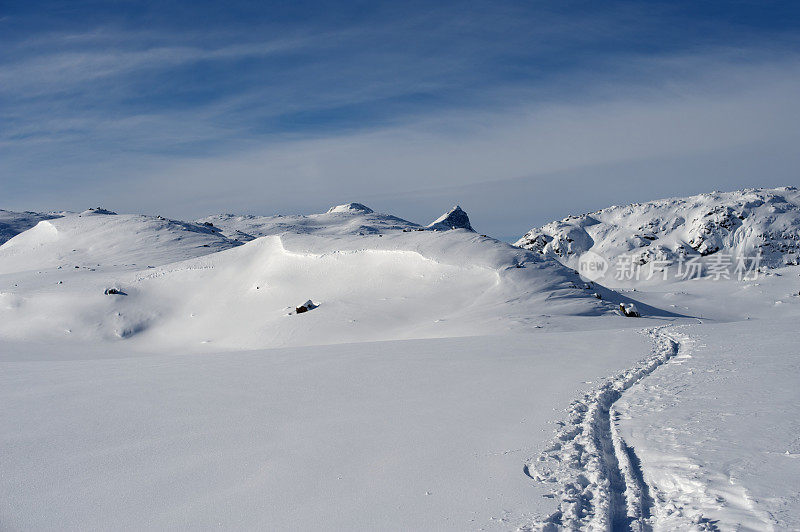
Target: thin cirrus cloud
<point>519,118</point>
<point>452,153</point>
<point>49,73</point>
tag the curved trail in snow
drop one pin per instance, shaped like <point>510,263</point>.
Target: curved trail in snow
<point>596,475</point>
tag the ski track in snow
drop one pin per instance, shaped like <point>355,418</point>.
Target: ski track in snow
<point>597,475</point>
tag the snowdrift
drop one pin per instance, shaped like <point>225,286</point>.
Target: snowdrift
<point>13,223</point>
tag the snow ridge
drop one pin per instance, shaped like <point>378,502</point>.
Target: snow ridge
<point>599,482</point>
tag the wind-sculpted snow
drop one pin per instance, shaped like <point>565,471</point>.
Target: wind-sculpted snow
<point>189,285</point>
<point>405,285</point>
<point>742,223</point>
<point>13,223</point>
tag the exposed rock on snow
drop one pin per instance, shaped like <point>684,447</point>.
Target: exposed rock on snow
<point>114,291</point>
<point>456,218</point>
<point>305,307</point>
<point>740,223</point>
<point>97,210</point>
<point>348,219</point>
<point>629,310</point>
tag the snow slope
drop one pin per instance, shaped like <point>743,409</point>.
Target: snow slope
<point>13,223</point>
<point>740,223</point>
<point>94,239</point>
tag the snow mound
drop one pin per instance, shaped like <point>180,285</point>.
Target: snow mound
<point>351,208</point>
<point>13,223</point>
<point>456,218</point>
<point>120,242</point>
<point>741,223</point>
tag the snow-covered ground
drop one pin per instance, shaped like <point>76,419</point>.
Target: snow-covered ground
<point>417,434</point>
<point>441,380</point>
<point>716,430</point>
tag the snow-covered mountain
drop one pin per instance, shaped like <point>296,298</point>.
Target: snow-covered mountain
<point>741,223</point>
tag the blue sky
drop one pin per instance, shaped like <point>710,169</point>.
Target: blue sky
<point>520,111</point>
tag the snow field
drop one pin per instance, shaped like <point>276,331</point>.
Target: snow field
<point>418,434</point>
<point>717,432</point>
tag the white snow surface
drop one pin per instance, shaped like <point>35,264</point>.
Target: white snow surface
<point>418,434</point>
<point>443,381</point>
<point>13,223</point>
<point>107,241</point>
<point>740,223</point>
<point>716,430</point>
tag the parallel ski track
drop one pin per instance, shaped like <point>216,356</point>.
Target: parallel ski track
<point>596,475</point>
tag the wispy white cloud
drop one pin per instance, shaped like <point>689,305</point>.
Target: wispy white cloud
<point>55,72</point>
<point>76,128</point>
<point>690,132</point>
<point>529,138</point>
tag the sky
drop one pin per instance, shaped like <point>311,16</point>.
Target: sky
<point>520,111</point>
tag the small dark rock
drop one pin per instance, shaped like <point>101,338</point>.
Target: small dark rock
<point>305,307</point>
<point>114,291</point>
